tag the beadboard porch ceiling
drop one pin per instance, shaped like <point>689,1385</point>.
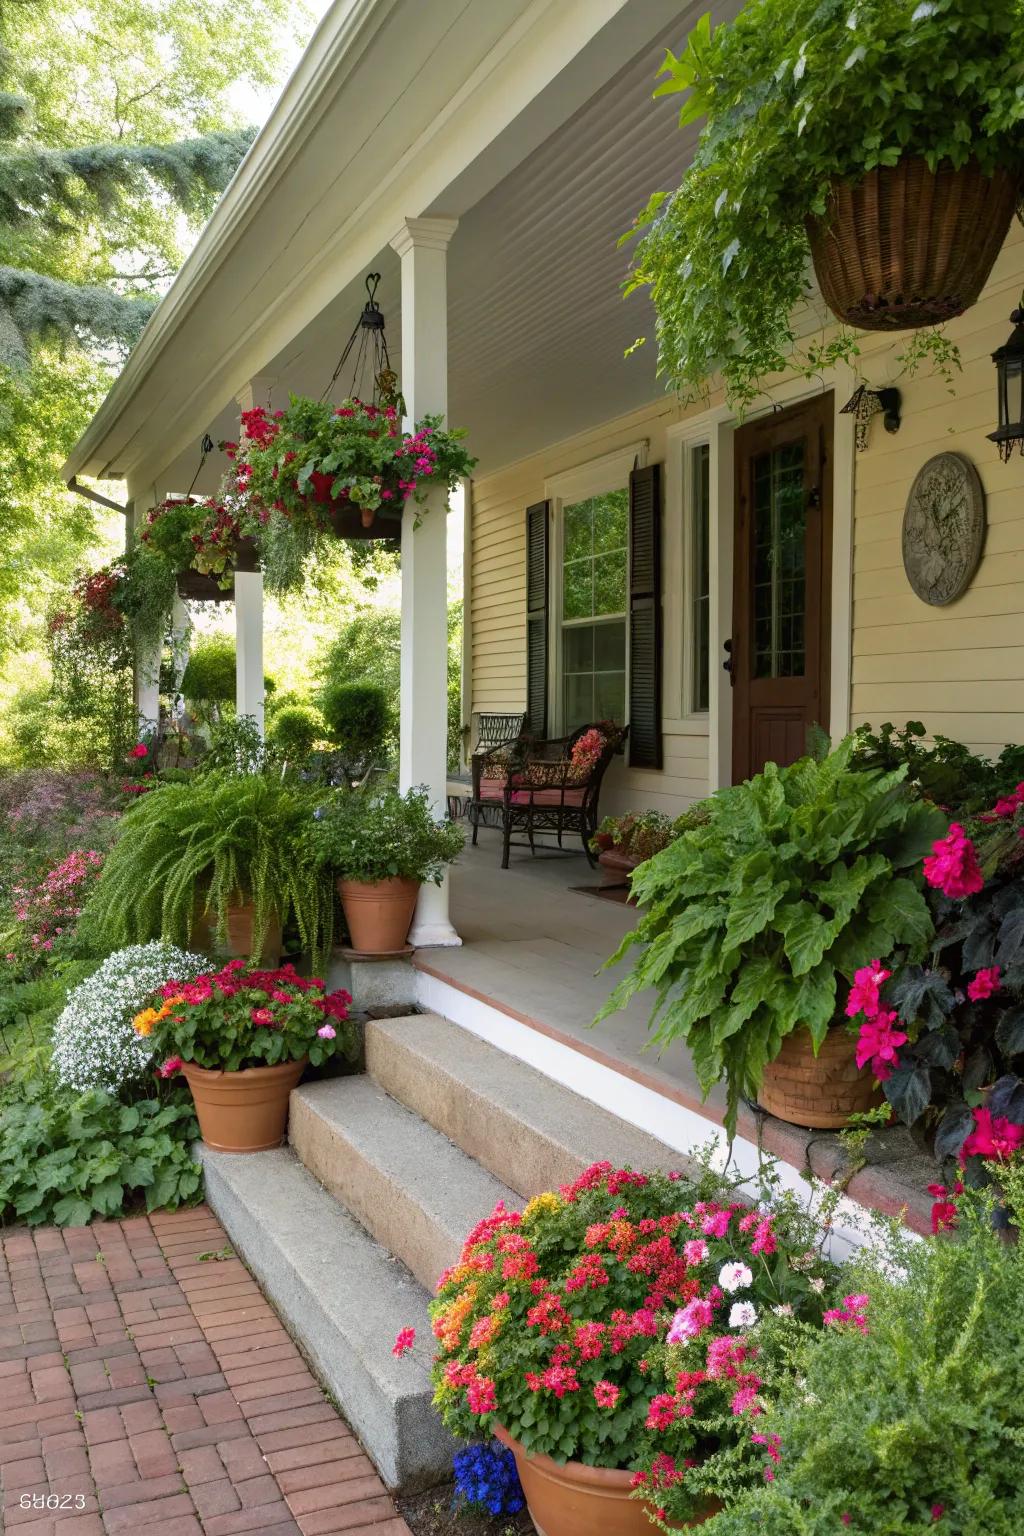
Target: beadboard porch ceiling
<point>538,327</point>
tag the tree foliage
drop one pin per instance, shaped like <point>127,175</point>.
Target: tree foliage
<point>115,116</point>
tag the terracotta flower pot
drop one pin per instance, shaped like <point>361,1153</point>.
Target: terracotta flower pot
<point>907,246</point>
<point>820,1091</point>
<point>238,943</point>
<point>616,868</point>
<point>379,915</point>
<point>243,1111</point>
<point>577,1500</point>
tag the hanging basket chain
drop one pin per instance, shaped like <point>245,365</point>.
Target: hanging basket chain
<point>205,448</point>
<point>368,332</point>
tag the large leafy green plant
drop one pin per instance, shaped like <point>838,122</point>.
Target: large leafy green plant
<point>795,93</point>
<point>947,771</point>
<point>217,840</point>
<point>799,876</point>
<point>70,1158</point>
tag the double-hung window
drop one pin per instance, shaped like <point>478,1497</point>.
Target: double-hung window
<point>593,608</point>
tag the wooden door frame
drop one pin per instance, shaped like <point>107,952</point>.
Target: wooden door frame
<point>762,435</point>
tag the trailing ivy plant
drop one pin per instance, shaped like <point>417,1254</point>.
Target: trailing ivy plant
<point>793,94</point>
<point>947,771</point>
<point>750,921</point>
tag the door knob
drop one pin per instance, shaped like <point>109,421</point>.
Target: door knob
<point>727,664</point>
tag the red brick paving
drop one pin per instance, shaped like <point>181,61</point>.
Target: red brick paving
<point>141,1384</point>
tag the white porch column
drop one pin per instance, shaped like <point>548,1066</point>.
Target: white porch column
<point>249,645</point>
<point>422,245</point>
<point>146,681</point>
<point>249,695</point>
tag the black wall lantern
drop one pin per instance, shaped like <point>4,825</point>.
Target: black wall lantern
<point>1009,361</point>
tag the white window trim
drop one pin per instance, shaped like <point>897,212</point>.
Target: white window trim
<point>610,472</point>
<point>681,439</point>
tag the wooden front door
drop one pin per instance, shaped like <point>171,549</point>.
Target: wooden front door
<point>782,577</point>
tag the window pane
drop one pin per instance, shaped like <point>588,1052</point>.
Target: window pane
<point>578,589</point>
<point>700,511</point>
<point>610,696</point>
<point>611,521</point>
<point>780,529</point>
<point>579,700</point>
<point>578,648</point>
<point>610,583</point>
<point>578,532</point>
<point>609,647</point>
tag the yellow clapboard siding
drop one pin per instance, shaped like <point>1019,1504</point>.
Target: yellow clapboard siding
<point>950,696</point>
<point>998,663</point>
<point>1007,570</point>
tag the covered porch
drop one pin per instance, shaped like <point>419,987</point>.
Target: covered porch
<point>529,977</point>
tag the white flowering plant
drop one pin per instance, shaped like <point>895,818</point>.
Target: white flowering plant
<point>94,1044</point>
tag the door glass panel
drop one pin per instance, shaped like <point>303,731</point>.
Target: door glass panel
<point>780,550</point>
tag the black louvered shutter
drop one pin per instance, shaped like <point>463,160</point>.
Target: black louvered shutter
<point>537,619</point>
<point>645,750</point>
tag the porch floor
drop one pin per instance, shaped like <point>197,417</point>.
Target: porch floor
<point>536,946</point>
<point>533,947</point>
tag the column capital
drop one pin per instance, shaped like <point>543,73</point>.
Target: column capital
<point>255,392</point>
<point>424,234</point>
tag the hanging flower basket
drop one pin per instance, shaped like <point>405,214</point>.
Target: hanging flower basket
<point>346,520</point>
<point>205,587</point>
<point>906,246</point>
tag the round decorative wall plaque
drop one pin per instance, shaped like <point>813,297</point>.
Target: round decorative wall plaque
<point>944,528</point>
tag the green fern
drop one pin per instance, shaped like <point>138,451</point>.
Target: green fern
<point>207,845</point>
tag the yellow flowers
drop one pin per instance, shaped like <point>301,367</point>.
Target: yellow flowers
<point>143,1022</point>
<point>547,1204</point>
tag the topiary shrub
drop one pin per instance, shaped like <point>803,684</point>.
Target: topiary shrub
<point>358,718</point>
<point>209,677</point>
<point>294,731</point>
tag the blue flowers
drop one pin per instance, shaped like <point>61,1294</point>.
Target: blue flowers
<point>486,1475</point>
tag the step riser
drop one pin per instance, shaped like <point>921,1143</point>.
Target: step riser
<point>349,1167</point>
<point>486,1129</point>
<point>387,1402</point>
<point>522,1127</point>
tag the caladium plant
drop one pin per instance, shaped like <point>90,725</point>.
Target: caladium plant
<point>956,1077</point>
<point>753,921</point>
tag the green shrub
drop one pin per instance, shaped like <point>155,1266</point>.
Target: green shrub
<point>358,719</point>
<point>916,1426</point>
<point>947,772</point>
<point>68,1158</point>
<point>294,731</point>
<point>209,677</point>
<point>368,836</point>
<point>220,839</point>
<point>798,877</point>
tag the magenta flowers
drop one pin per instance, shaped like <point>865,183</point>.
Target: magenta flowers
<point>952,867</point>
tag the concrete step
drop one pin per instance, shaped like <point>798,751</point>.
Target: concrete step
<point>344,1299</point>
<point>529,1131</point>
<point>404,1180</point>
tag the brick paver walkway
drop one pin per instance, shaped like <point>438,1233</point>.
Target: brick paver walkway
<point>147,1386</point>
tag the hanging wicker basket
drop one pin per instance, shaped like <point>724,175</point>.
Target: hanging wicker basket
<point>203,588</point>
<point>821,1091</point>
<point>906,246</point>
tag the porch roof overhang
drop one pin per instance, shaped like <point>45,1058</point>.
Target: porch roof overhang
<point>531,122</point>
